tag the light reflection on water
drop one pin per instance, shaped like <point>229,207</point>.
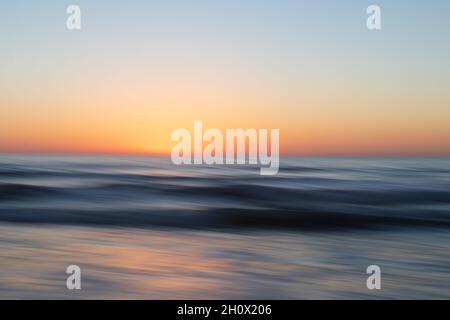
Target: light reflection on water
<point>166,264</point>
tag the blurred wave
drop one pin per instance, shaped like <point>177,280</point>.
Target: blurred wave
<point>308,193</point>
<point>305,233</point>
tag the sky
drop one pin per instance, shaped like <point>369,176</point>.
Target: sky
<point>138,70</point>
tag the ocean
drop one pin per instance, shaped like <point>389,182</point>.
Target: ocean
<point>142,228</point>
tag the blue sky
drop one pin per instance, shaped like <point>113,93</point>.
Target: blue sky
<point>291,50</point>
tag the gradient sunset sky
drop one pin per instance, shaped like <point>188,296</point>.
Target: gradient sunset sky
<point>140,69</point>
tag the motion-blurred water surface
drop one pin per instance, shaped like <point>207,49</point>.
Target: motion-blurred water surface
<point>141,227</point>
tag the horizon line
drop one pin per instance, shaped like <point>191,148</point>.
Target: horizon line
<point>167,154</point>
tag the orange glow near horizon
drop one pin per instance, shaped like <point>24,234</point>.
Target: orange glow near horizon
<point>139,119</point>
